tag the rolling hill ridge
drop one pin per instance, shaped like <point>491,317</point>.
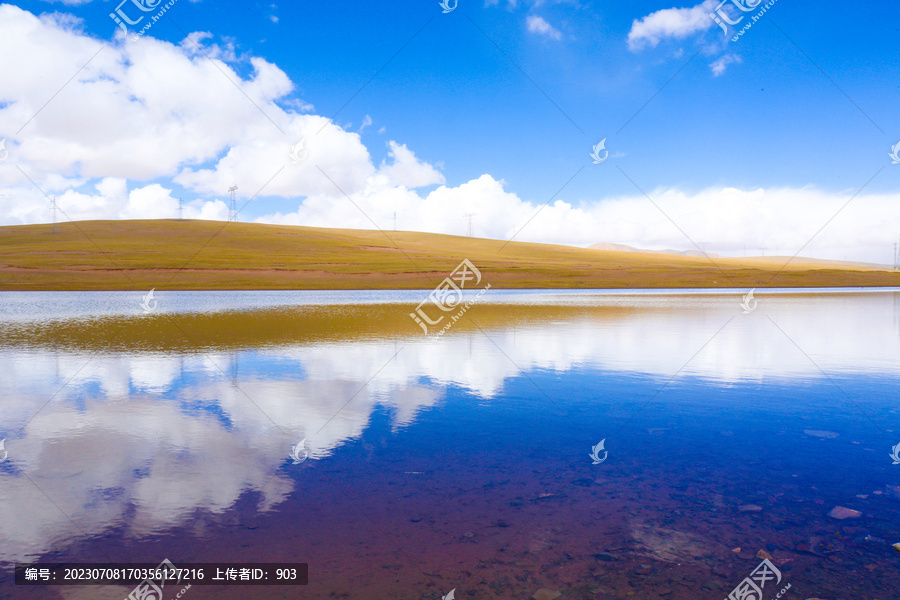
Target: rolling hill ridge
<point>204,255</point>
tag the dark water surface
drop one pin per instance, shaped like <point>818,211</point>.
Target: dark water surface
<point>460,462</point>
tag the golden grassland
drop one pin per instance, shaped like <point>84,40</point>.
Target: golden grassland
<point>210,255</point>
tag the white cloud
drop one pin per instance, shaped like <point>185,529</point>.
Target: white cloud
<point>676,23</point>
<point>147,109</point>
<point>720,64</point>
<point>406,170</point>
<point>723,220</point>
<point>367,122</point>
<point>539,26</point>
<point>153,202</point>
<point>112,200</point>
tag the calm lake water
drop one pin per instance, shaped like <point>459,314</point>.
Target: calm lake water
<point>327,428</point>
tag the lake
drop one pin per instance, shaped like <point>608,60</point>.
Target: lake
<point>328,428</point>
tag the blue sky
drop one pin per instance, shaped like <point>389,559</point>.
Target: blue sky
<point>490,108</point>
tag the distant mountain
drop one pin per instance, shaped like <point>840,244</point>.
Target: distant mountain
<point>822,261</point>
<point>776,259</point>
<point>625,248</point>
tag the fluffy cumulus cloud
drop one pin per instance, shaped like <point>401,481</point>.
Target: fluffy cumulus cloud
<point>406,169</point>
<point>540,26</point>
<point>679,24</point>
<point>676,23</point>
<point>729,221</point>
<point>143,110</point>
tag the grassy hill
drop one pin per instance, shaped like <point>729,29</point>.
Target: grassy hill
<point>196,255</point>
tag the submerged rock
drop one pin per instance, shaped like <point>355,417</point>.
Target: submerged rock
<point>841,513</point>
<point>805,548</point>
<point>821,546</point>
<point>850,530</point>
<point>722,570</point>
<point>749,508</point>
<point>671,545</point>
<point>872,538</point>
<point>546,594</point>
<point>605,557</point>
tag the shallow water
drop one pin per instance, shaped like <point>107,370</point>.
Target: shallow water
<point>459,462</point>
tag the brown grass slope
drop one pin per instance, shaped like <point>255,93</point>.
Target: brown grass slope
<point>198,255</point>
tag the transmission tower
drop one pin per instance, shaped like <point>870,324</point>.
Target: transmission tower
<point>232,213</point>
<point>469,223</point>
<point>53,208</point>
<point>180,210</point>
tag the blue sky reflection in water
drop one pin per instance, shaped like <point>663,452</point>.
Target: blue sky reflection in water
<point>463,462</point>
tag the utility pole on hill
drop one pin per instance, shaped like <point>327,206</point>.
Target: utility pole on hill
<point>232,213</point>
<point>469,225</point>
